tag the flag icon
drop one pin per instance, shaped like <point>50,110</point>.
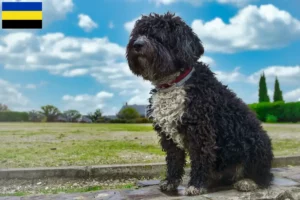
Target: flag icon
<point>22,15</point>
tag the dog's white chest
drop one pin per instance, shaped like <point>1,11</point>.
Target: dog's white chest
<point>168,107</point>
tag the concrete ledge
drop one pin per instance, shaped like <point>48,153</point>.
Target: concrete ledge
<point>284,161</point>
<point>105,172</point>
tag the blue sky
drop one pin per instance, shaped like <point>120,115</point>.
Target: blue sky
<point>77,61</point>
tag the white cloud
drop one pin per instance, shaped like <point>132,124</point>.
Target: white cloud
<point>164,2</point>
<point>119,77</point>
<point>293,95</point>
<point>129,92</point>
<point>229,77</point>
<point>75,72</point>
<point>111,110</point>
<point>56,52</point>
<point>86,23</point>
<point>253,28</point>
<point>111,25</point>
<point>236,2</point>
<point>53,10</point>
<point>86,103</point>
<point>130,25</point>
<point>288,77</point>
<point>200,2</point>
<point>115,73</point>
<point>143,95</point>
<point>270,93</point>
<point>72,56</point>
<point>286,74</point>
<point>10,96</point>
<point>56,9</point>
<point>31,86</point>
<point>208,60</point>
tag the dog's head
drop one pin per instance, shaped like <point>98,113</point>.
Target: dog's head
<point>162,45</point>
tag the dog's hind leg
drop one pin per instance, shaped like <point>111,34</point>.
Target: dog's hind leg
<point>245,185</point>
<point>258,165</point>
<point>255,176</point>
<point>175,164</point>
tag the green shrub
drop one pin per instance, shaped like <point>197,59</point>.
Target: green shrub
<point>271,119</point>
<point>128,113</point>
<point>142,120</point>
<point>14,116</point>
<point>117,121</point>
<point>285,112</point>
<point>44,119</point>
<point>131,121</point>
<point>103,120</point>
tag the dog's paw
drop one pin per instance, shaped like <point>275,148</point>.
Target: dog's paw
<point>169,186</point>
<point>245,185</point>
<point>193,191</point>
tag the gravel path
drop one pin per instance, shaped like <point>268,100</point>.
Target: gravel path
<point>286,186</point>
<point>42,186</point>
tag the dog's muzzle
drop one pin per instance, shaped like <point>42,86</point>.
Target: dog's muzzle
<point>139,43</point>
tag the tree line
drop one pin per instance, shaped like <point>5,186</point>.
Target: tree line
<point>278,110</point>
<point>50,113</point>
<point>263,91</point>
<point>266,111</point>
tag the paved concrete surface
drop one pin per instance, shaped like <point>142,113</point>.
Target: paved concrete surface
<point>286,186</point>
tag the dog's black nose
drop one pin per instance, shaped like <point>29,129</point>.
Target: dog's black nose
<point>138,44</point>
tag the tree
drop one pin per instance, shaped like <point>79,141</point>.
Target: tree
<point>50,112</point>
<point>263,91</point>
<point>35,116</point>
<point>128,113</point>
<point>72,115</point>
<point>277,92</point>
<point>95,116</point>
<point>3,108</point>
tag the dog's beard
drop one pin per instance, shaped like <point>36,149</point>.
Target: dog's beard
<point>156,72</point>
<point>147,71</point>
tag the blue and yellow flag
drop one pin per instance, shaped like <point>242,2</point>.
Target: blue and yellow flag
<point>22,15</point>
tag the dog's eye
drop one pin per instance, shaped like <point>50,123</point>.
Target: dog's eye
<point>156,37</point>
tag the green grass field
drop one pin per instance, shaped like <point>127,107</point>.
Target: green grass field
<point>64,144</point>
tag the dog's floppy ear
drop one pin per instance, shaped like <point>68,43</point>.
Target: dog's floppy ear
<point>188,44</point>
<point>197,46</point>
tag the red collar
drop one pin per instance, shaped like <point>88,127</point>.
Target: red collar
<point>178,79</point>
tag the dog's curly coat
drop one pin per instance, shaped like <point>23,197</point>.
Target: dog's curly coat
<point>202,117</point>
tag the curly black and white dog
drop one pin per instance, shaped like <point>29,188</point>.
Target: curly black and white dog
<point>194,113</point>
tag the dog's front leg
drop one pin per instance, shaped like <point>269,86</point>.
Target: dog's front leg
<point>201,148</point>
<point>175,164</point>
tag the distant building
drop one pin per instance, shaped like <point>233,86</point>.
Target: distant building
<point>61,118</point>
<point>141,109</point>
<point>110,117</point>
<point>84,119</point>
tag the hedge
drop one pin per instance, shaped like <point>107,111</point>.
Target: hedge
<point>284,112</point>
<point>138,120</point>
<point>14,117</point>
